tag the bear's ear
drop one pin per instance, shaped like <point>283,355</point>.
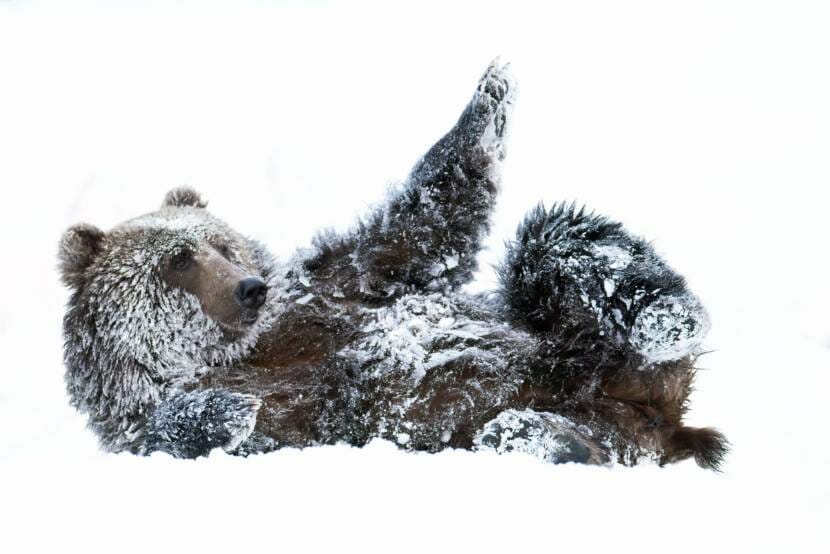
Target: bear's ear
<point>183,196</point>
<point>78,248</point>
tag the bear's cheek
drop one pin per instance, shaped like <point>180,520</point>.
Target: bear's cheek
<point>213,281</point>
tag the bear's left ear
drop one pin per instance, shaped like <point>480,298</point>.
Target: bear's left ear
<point>183,196</point>
<point>78,248</point>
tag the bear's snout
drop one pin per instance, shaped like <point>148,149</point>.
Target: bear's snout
<point>251,293</point>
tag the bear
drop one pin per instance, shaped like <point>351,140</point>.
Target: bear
<point>183,335</point>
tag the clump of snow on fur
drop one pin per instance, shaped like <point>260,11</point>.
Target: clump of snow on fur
<point>617,258</point>
<point>304,299</point>
<point>614,261</point>
<point>417,333</point>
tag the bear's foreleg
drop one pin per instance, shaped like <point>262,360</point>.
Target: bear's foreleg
<point>425,237</point>
<point>189,425</point>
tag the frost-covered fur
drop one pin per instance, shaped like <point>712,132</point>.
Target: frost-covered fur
<point>584,354</point>
<point>132,341</point>
<point>566,266</point>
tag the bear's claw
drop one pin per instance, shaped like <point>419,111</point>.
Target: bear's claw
<point>242,420</point>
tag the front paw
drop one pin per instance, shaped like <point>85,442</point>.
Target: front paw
<point>189,425</point>
<point>497,85</point>
<point>482,129</point>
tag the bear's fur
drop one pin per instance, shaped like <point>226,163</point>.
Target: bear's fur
<point>585,353</point>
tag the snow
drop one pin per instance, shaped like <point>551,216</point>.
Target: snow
<point>304,299</point>
<point>704,128</point>
<point>402,337</point>
<point>610,286</point>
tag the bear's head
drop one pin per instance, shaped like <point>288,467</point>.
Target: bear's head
<point>157,299</point>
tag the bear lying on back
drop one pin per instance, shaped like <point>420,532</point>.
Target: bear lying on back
<point>182,335</point>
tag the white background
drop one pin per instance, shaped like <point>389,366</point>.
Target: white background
<point>702,125</point>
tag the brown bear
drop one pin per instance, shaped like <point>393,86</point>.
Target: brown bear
<point>182,335</point>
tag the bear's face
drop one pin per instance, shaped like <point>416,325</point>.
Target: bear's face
<point>175,289</point>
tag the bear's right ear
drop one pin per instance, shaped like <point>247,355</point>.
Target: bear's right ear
<point>78,248</point>
<point>182,197</point>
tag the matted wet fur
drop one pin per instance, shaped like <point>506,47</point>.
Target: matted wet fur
<point>585,353</point>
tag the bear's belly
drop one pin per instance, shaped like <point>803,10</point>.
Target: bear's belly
<point>426,372</point>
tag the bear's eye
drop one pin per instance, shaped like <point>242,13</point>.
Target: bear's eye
<point>182,260</point>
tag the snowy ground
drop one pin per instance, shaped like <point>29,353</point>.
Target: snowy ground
<point>704,128</point>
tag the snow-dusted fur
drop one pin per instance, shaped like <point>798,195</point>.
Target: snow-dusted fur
<point>132,340</point>
<point>585,353</point>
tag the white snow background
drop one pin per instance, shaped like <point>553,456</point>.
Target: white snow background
<point>704,126</point>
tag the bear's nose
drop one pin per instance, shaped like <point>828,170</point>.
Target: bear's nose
<point>251,292</point>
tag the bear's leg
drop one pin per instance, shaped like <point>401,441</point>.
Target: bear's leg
<point>568,269</point>
<point>547,436</point>
<point>427,234</point>
<point>189,425</point>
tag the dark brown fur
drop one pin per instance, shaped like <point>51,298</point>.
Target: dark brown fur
<point>296,374</point>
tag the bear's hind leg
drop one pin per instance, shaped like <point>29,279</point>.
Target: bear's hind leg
<point>572,270</point>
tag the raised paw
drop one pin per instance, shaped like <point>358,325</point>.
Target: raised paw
<point>485,122</point>
<point>476,144</point>
<point>497,83</point>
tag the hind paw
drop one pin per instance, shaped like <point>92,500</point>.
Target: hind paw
<point>670,328</point>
